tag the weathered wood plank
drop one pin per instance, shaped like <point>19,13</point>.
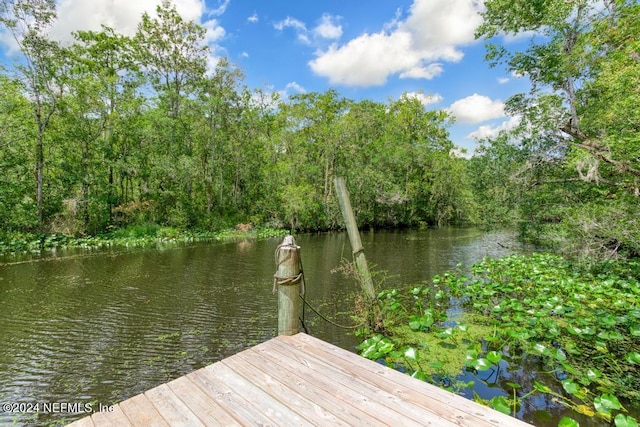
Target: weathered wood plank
<point>141,412</point>
<point>447,405</point>
<point>285,388</point>
<point>386,406</point>
<point>260,400</point>
<point>115,418</point>
<point>201,404</point>
<point>321,396</point>
<point>82,422</point>
<point>344,390</point>
<point>357,381</point>
<point>227,398</point>
<point>172,409</point>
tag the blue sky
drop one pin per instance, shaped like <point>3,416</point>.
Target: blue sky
<point>365,49</point>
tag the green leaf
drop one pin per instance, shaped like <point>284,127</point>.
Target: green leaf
<point>446,333</point>
<point>420,375</point>
<point>463,328</point>
<point>559,355</point>
<point>622,420</point>
<point>436,365</point>
<point>541,387</point>
<point>499,403</point>
<point>414,323</point>
<point>633,357</point>
<point>494,357</point>
<point>386,347</point>
<point>570,387</point>
<point>481,364</point>
<point>568,422</point>
<point>593,374</point>
<point>541,349</point>
<point>605,403</point>
<point>411,354</point>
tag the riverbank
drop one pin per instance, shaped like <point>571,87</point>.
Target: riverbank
<point>138,236</point>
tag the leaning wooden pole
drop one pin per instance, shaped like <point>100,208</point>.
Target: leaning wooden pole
<point>354,237</point>
<point>287,282</point>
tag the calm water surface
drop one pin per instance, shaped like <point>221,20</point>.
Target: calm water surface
<point>101,326</point>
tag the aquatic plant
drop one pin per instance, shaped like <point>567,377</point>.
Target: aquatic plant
<point>580,326</point>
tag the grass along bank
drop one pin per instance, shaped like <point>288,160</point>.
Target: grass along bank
<point>529,325</point>
<point>132,236</point>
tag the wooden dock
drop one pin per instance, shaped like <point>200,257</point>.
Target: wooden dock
<point>294,381</point>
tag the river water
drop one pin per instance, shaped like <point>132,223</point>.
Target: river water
<point>98,327</point>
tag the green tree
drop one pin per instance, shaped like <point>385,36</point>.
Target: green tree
<point>173,54</point>
<point>18,210</point>
<point>39,73</point>
<point>579,121</point>
<point>103,81</point>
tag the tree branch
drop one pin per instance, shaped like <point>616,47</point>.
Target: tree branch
<point>597,149</point>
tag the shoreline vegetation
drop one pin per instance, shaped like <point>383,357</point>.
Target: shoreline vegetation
<point>546,332</point>
<point>140,236</point>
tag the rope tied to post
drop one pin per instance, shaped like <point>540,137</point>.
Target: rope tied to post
<point>288,280</point>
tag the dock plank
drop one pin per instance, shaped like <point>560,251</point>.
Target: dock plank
<point>201,404</point>
<point>275,385</point>
<point>326,399</point>
<point>227,398</point>
<point>171,408</point>
<point>422,394</point>
<point>141,412</point>
<point>115,418</point>
<point>297,380</point>
<point>260,400</point>
<point>82,422</point>
<point>388,407</point>
<point>345,391</point>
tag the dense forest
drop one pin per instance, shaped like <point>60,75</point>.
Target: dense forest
<point>112,131</point>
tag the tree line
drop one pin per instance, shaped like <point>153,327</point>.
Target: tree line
<point>111,130</point>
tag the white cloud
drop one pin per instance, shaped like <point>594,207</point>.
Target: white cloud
<point>439,26</point>
<point>218,11</point>
<point>428,72</point>
<point>253,18</point>
<point>294,86</point>
<point>476,108</point>
<point>290,22</point>
<point>328,27</point>
<point>244,54</point>
<point>424,99</point>
<point>414,48</point>
<point>488,131</point>
<point>7,42</point>
<point>503,80</point>
<point>214,33</point>
<point>125,15</point>
<point>121,15</point>
<point>297,25</point>
<point>367,60</point>
<point>291,88</point>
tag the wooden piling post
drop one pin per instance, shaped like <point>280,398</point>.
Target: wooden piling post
<point>354,238</point>
<point>287,282</point>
